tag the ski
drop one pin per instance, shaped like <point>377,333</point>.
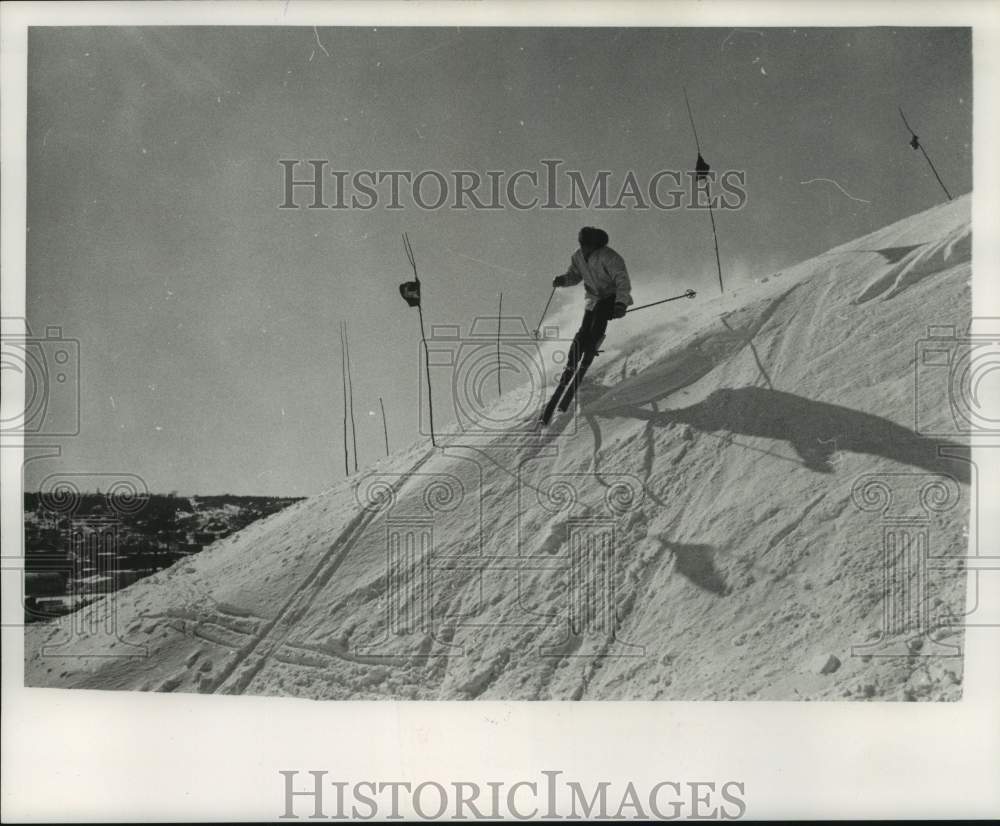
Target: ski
<point>564,393</point>
<point>550,408</point>
<point>570,392</point>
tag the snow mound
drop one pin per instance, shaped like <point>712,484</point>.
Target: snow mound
<point>703,352</point>
<point>720,510</point>
<point>910,264</point>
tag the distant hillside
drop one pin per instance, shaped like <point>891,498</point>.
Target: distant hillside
<point>81,547</point>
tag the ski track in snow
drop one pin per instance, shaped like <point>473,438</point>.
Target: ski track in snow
<point>251,659</point>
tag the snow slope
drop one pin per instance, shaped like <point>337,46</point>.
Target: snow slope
<point>709,527</point>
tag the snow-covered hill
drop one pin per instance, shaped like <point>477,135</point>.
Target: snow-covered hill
<point>712,524</point>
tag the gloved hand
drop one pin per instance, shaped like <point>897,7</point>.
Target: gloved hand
<point>619,311</point>
<point>559,281</point>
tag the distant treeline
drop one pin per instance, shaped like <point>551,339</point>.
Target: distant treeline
<point>157,504</point>
<point>84,545</point>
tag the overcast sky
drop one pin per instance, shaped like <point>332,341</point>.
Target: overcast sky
<point>208,318</point>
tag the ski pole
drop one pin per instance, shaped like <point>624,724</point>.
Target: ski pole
<point>685,294</point>
<point>539,327</point>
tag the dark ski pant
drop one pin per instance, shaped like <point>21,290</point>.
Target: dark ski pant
<point>588,338</point>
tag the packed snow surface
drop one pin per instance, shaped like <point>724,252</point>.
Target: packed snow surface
<point>713,523</point>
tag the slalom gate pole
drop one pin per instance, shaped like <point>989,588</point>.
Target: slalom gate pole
<point>343,382</point>
<point>539,327</point>
<point>694,129</point>
<point>686,294</point>
<point>385,426</point>
<point>715,237</point>
<point>350,393</point>
<point>423,336</point>
<point>499,320</point>
<point>916,144</point>
<point>427,366</point>
<point>711,212</point>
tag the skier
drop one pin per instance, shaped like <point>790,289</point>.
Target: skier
<point>609,293</point>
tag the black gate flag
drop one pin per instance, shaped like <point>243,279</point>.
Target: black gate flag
<point>410,290</point>
<point>701,167</point>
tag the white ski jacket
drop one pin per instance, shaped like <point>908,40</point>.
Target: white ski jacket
<point>602,276</point>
